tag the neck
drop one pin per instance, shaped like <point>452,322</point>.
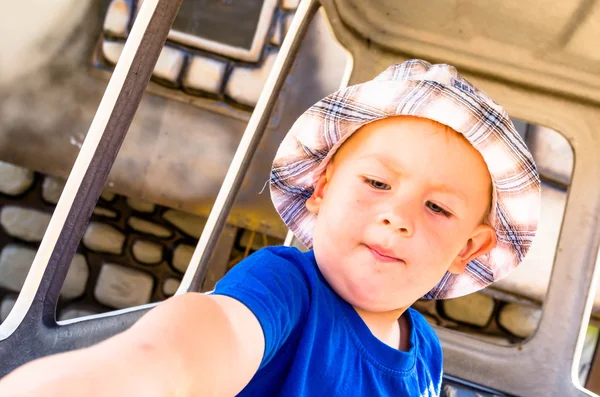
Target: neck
<point>383,325</point>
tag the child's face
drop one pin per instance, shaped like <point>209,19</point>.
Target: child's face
<point>402,202</point>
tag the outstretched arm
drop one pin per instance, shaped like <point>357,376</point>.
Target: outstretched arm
<point>190,345</point>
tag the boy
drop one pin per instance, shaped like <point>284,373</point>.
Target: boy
<point>412,185</point>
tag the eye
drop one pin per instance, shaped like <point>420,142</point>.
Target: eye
<point>437,209</point>
<point>375,184</point>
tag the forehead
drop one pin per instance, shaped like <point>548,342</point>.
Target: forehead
<point>394,134</point>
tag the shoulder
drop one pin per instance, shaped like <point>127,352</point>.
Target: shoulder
<point>275,283</point>
<point>272,268</point>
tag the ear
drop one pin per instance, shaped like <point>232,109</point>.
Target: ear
<point>481,242</point>
<point>313,204</point>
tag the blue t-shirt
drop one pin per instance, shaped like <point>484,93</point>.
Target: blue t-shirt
<point>315,342</point>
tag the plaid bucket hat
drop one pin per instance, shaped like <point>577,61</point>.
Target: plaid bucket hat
<point>439,93</point>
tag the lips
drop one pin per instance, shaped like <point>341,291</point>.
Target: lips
<point>383,254</point>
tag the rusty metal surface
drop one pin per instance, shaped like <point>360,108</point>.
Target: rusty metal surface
<point>541,44</point>
<point>174,154</point>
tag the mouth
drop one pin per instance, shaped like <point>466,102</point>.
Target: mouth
<point>383,254</point>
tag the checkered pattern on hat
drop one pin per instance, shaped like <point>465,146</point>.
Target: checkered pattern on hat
<point>439,93</point>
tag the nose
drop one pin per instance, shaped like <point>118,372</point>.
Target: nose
<point>400,218</point>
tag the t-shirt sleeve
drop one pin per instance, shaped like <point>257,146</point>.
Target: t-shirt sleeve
<point>273,284</point>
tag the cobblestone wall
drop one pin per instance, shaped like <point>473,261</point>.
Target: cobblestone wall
<point>133,252</point>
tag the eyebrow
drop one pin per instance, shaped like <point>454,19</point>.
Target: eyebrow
<point>392,164</point>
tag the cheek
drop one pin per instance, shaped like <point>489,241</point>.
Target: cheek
<point>444,243</point>
<point>346,205</point>
<point>341,223</point>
